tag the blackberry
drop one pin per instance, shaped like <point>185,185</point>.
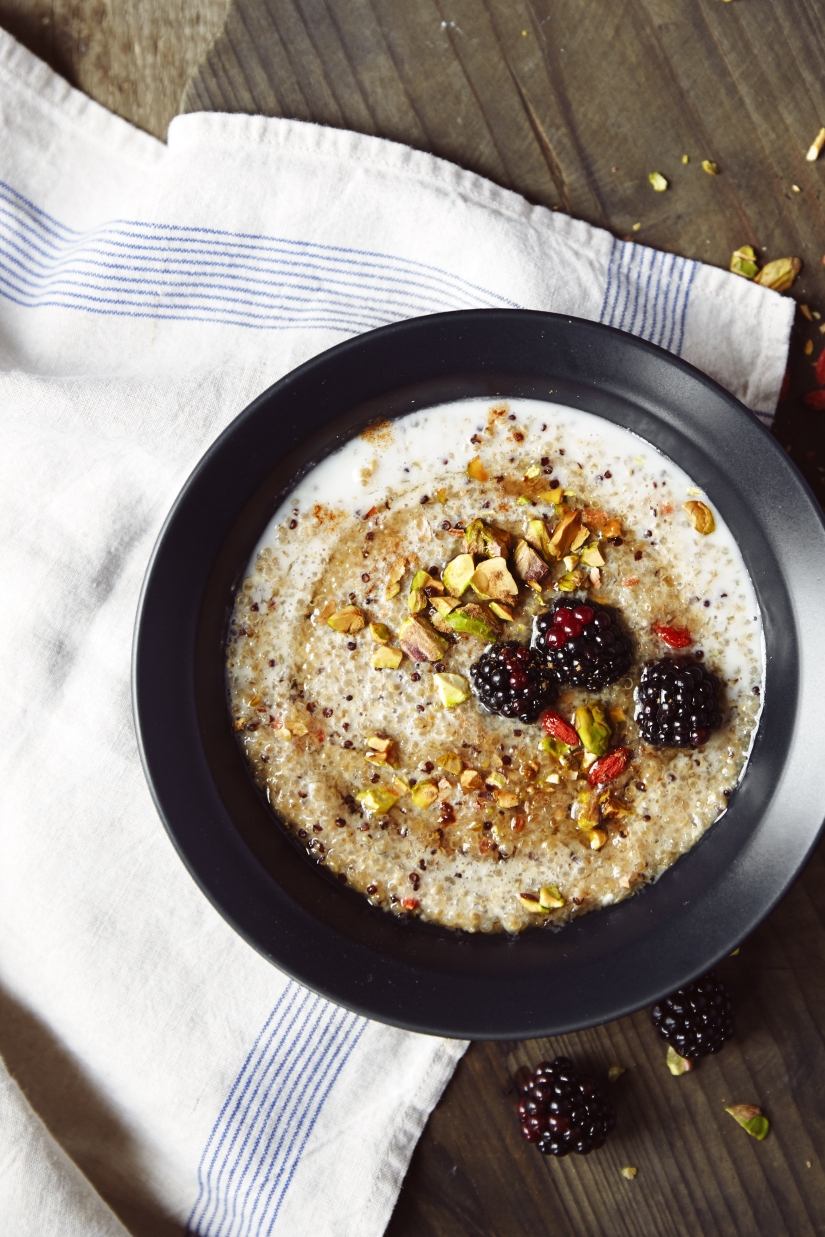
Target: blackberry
<point>563,1111</point>
<point>513,680</point>
<point>697,1019</point>
<point>676,703</point>
<point>584,645</point>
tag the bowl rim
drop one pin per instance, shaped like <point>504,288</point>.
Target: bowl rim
<point>415,975</point>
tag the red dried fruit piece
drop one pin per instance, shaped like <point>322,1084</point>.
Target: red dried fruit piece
<point>609,766</point>
<point>816,399</point>
<point>819,371</point>
<point>558,728</point>
<point>675,637</point>
<point>409,904</point>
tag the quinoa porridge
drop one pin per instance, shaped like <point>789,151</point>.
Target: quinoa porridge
<point>496,665</point>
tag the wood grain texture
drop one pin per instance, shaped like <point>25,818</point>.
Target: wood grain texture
<point>571,104</point>
<point>133,56</point>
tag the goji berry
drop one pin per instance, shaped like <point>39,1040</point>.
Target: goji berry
<point>409,904</point>
<point>558,728</point>
<point>675,637</point>
<point>609,766</point>
<point>819,371</point>
<point>816,399</point>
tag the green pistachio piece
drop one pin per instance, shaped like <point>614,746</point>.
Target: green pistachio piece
<point>496,778</point>
<point>419,641</point>
<point>572,581</point>
<point>423,580</point>
<point>743,262</point>
<point>347,621</point>
<point>451,762</point>
<point>458,573</point>
<point>492,580</point>
<point>386,659</point>
<point>378,799</point>
<point>779,274</point>
<point>592,556</point>
<point>531,903</point>
<point>474,620</point>
<point>424,794</point>
<point>532,472</point>
<point>445,604</point>
<point>751,1119</point>
<point>593,728</point>
<point>481,538</point>
<point>380,633</point>
<point>555,747</point>
<point>501,611</point>
<point>550,898</point>
<point>658,181</point>
<point>417,601</point>
<point>452,689</point>
<point>528,564</point>
<point>565,533</point>
<point>538,537</point>
<point>676,1064</point>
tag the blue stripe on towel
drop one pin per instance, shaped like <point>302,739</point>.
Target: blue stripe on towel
<point>257,1142</point>
<point>126,268</point>
<point>647,293</point>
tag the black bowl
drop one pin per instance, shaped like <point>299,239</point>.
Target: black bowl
<point>414,974</point>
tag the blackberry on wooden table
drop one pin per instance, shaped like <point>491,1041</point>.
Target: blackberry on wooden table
<point>697,1019</point>
<point>676,703</point>
<point>561,1110</point>
<point>514,681</point>
<point>584,644</point>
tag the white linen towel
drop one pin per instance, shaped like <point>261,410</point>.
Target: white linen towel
<point>147,293</point>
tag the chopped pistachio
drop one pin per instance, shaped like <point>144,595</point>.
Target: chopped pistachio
<point>458,573</point>
<point>629,1171</point>
<point>501,611</point>
<point>816,146</point>
<point>522,501</point>
<point>471,780</point>
<point>396,571</point>
<point>380,633</point>
<point>564,533</point>
<point>676,1064</point>
<point>658,181</point>
<point>417,601</point>
<point>400,785</point>
<point>806,313</point>
<point>496,778</point>
<point>379,742</point>
<point>492,580</point>
<point>424,794</point>
<point>615,1072</point>
<point>474,620</point>
<point>597,838</point>
<point>347,621</point>
<point>553,779</point>
<point>441,496</point>
<point>533,471</point>
<point>710,167</point>
<point>538,537</point>
<point>743,262</point>
<point>550,898</point>
<point>612,806</point>
<point>506,798</point>
<point>476,470</point>
<point>700,516</point>
<point>809,347</point>
<point>552,496</point>
<point>423,580</point>
<point>419,641</point>
<point>592,556</point>
<point>580,538</point>
<point>531,903</point>
<point>481,538</point>
<point>555,747</point>
<point>451,762</point>
<point>572,581</point>
<point>377,799</point>
<point>779,274</point>
<point>593,728</point>
<point>751,1119</point>
<point>570,561</point>
<point>445,604</point>
<point>528,564</point>
<point>452,689</point>
<point>685,158</point>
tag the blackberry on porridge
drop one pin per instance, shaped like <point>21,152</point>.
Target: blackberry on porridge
<point>496,665</point>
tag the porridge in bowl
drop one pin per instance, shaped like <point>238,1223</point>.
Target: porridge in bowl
<point>496,665</point>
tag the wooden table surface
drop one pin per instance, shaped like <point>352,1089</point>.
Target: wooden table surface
<point>571,104</point>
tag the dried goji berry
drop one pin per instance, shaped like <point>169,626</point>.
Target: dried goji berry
<point>558,728</point>
<point>409,904</point>
<point>609,766</point>
<point>819,371</point>
<point>816,399</point>
<point>676,637</point>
